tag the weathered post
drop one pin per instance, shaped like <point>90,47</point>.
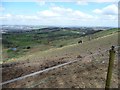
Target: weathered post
<point>110,67</point>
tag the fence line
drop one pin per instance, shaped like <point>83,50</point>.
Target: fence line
<point>110,67</point>
<point>48,69</point>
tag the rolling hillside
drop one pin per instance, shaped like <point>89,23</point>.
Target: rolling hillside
<point>73,44</point>
<point>90,69</point>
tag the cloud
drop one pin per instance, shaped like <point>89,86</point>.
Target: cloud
<point>109,10</point>
<point>82,3</point>
<point>1,8</point>
<point>86,2</point>
<point>26,17</point>
<point>53,15</point>
<point>98,1</point>
<point>102,1</point>
<point>11,17</point>
<point>61,16</point>
<point>40,3</point>
<point>60,0</point>
<point>97,11</point>
<point>64,13</point>
<point>48,13</point>
<point>5,17</point>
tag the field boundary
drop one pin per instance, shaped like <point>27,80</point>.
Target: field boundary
<point>51,68</point>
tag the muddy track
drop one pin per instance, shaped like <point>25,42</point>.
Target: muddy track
<point>47,68</point>
<point>38,72</point>
<point>16,70</point>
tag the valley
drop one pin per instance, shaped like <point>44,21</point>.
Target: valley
<point>91,54</point>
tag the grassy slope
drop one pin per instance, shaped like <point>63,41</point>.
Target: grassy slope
<point>42,41</point>
<point>75,49</point>
<point>78,75</point>
<point>36,40</point>
<point>90,74</point>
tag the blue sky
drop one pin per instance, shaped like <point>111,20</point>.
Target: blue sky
<point>80,13</point>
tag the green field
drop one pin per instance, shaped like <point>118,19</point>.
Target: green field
<point>89,72</point>
<point>46,41</point>
<point>38,40</point>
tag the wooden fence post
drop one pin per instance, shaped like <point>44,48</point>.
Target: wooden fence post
<point>110,67</point>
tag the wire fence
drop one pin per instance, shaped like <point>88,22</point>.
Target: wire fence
<point>51,68</point>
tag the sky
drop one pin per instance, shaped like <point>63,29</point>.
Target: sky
<point>60,13</point>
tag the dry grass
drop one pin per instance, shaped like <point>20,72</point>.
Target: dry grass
<point>90,72</point>
<point>82,74</point>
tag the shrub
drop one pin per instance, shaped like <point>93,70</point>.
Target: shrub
<point>28,47</point>
<point>80,41</point>
<point>61,46</point>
